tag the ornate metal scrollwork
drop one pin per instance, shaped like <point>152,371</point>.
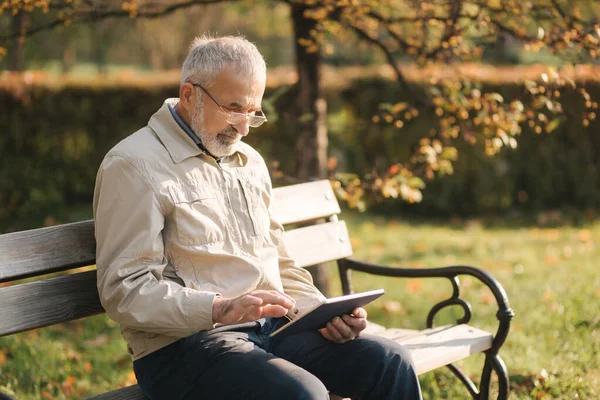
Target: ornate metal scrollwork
<point>455,300</point>
<point>493,362</point>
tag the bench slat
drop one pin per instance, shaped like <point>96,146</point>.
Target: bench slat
<point>50,301</point>
<point>126,393</point>
<point>41,251</point>
<point>318,243</point>
<point>45,250</point>
<point>442,347</point>
<point>400,334</point>
<point>65,298</point>
<point>304,202</point>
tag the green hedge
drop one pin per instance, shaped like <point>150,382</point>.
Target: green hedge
<point>54,138</point>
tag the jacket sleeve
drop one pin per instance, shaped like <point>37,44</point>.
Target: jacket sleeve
<point>130,260</point>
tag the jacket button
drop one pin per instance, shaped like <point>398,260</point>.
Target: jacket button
<point>130,350</point>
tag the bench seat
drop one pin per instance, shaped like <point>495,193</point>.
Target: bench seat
<point>430,349</point>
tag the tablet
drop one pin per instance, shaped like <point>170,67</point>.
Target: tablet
<point>321,314</point>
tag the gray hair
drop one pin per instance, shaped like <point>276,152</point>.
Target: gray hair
<point>208,56</point>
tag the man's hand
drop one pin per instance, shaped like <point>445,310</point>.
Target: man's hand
<point>345,328</point>
<point>251,306</point>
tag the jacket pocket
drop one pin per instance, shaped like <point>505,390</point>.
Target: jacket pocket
<point>198,216</point>
<point>257,208</point>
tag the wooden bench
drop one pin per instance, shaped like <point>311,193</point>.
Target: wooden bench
<point>321,238</point>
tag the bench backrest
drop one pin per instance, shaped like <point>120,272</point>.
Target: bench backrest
<point>48,301</point>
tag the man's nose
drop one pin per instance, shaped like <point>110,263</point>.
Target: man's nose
<point>243,128</point>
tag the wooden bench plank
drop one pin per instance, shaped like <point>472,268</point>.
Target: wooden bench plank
<point>318,243</point>
<point>126,393</point>
<point>400,334</point>
<point>45,250</point>
<point>436,349</point>
<point>50,301</point>
<point>68,246</point>
<point>304,202</point>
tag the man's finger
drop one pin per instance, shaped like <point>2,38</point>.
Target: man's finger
<point>273,297</point>
<point>288,296</point>
<point>275,311</point>
<point>249,301</point>
<point>343,328</point>
<point>326,334</point>
<point>252,314</point>
<point>359,312</point>
<point>357,324</point>
<point>335,334</point>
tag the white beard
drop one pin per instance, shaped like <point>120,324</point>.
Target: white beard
<point>219,145</point>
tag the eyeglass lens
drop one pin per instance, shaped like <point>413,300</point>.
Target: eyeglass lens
<point>254,120</point>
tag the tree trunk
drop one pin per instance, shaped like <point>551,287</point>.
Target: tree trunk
<point>100,31</point>
<point>17,49</point>
<point>311,142</point>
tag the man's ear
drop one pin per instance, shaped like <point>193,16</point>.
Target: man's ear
<point>186,96</point>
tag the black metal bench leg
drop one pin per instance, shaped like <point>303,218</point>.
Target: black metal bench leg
<point>494,363</point>
<point>465,380</point>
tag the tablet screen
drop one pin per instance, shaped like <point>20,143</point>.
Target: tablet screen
<point>331,308</point>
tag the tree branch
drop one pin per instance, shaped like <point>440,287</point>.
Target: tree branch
<point>421,100</point>
<point>149,11</point>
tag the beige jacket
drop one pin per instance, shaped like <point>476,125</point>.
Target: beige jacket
<point>174,228</point>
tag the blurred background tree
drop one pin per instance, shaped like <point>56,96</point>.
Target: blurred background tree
<point>423,32</point>
<point>434,111</point>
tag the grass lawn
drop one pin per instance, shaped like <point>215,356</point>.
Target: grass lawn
<point>549,275</point>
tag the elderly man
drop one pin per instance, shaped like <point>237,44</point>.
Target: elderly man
<point>192,265</point>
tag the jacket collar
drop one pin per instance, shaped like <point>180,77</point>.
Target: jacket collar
<point>177,142</point>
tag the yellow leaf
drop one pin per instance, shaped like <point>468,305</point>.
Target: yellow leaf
<point>550,259</point>
<point>420,247</point>
<point>87,366</point>
<point>67,384</point>
<point>585,235</point>
<point>2,358</point>
<point>487,298</point>
<point>391,307</point>
<point>547,296</point>
<point>413,286</point>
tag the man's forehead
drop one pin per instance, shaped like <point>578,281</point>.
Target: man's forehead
<point>241,101</point>
<point>237,91</point>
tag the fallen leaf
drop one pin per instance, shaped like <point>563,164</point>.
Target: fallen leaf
<point>355,243</point>
<point>585,235</point>
<point>413,286</point>
<point>550,259</point>
<point>487,298</point>
<point>420,247</point>
<point>87,366</point>
<point>98,340</point>
<point>391,307</point>
<point>547,295</point>
<point>67,384</point>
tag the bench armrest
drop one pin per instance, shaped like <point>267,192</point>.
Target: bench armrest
<point>504,314</point>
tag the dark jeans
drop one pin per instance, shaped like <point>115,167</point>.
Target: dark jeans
<point>246,363</point>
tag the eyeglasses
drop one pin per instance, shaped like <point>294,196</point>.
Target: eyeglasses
<point>235,118</point>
